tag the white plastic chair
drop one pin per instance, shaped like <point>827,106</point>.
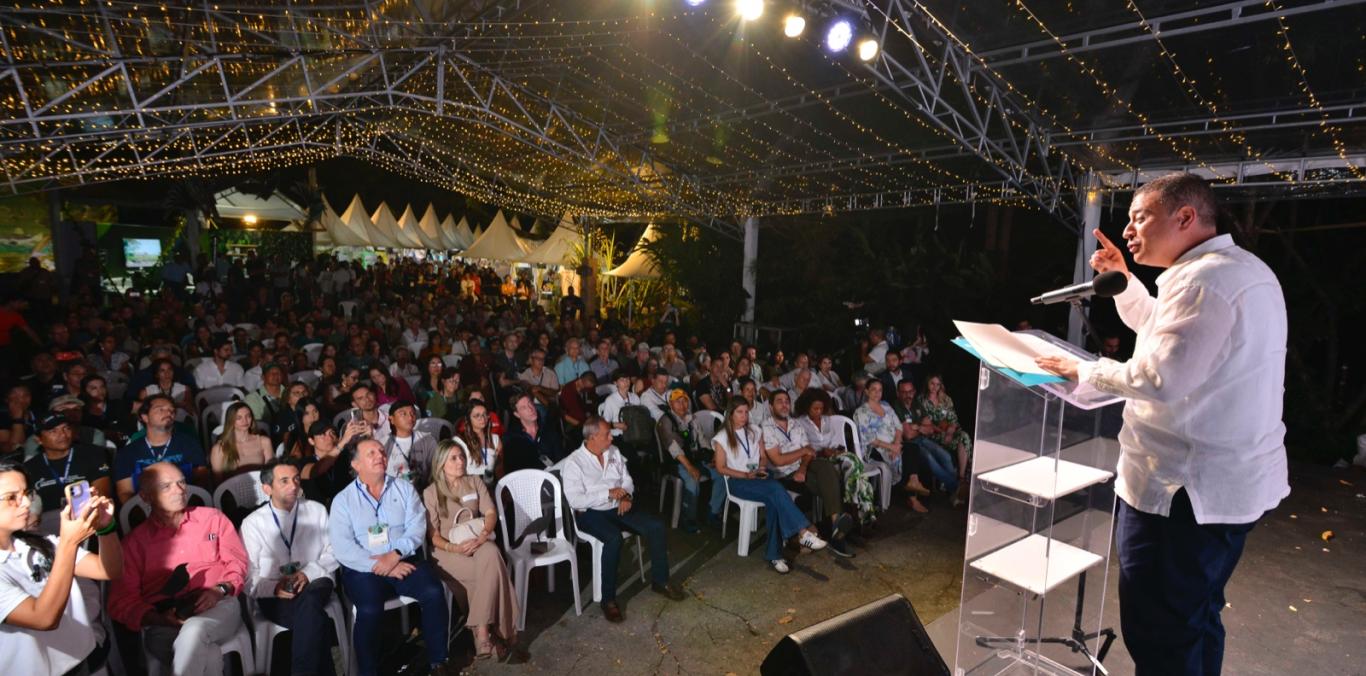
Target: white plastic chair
<point>524,487</point>
<point>413,381</point>
<point>309,378</point>
<point>597,546</point>
<point>451,360</point>
<point>314,352</point>
<point>433,427</point>
<point>348,307</point>
<point>136,502</point>
<point>240,643</point>
<point>253,331</point>
<point>245,489</point>
<point>266,632</point>
<point>749,518</point>
<point>872,468</point>
<point>217,395</point>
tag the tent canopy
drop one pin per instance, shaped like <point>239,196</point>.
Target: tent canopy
<point>356,229</point>
<point>498,242</point>
<point>232,203</point>
<point>640,264</point>
<point>558,248</point>
<point>463,236</point>
<point>428,230</point>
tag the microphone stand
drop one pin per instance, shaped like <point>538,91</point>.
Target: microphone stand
<point>1086,322</point>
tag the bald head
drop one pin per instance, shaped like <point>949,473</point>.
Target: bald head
<point>162,486</point>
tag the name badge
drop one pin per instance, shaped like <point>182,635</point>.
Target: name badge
<point>378,536</point>
<point>469,498</point>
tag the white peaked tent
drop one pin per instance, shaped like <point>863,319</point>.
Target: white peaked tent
<point>385,228</point>
<point>498,242</point>
<point>463,236</point>
<point>559,247</point>
<point>337,234</point>
<point>446,230</point>
<point>429,230</point>
<point>407,229</point>
<point>640,264</point>
<point>357,229</point>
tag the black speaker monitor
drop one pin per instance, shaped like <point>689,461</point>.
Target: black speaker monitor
<point>884,638</point>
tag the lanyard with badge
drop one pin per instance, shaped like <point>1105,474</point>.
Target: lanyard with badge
<point>378,532</point>
<point>744,444</point>
<point>66,472</point>
<point>291,567</point>
<point>158,457</point>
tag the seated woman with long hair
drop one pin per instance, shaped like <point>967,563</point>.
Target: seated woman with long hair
<point>389,389</point>
<point>485,446</point>
<point>739,453</point>
<point>240,447</point>
<point>465,552</point>
<point>827,438</point>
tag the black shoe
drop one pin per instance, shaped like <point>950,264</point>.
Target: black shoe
<point>612,612</point>
<point>843,524</point>
<point>669,591</point>
<point>840,548</point>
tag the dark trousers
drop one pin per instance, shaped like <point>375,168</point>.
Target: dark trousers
<point>1172,573</point>
<point>368,592</point>
<point>305,616</point>
<point>606,525</point>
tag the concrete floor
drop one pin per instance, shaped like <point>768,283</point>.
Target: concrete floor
<point>738,608</point>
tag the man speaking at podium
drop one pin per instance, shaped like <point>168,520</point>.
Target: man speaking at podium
<point>1202,448</point>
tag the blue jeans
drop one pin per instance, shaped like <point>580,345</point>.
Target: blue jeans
<point>606,525</point>
<point>368,592</point>
<point>783,517</point>
<point>939,461</point>
<point>1172,573</point>
<point>305,616</point>
<point>691,487</point>
<point>718,494</point>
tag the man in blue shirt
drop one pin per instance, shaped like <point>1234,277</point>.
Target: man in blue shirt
<point>161,444</point>
<point>572,364</point>
<point>378,528</point>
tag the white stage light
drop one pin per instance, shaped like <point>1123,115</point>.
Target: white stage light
<point>749,10</point>
<point>793,25</point>
<point>695,3</point>
<point>838,37</point>
<point>867,49</point>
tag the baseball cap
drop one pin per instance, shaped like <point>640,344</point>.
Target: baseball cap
<point>52,421</point>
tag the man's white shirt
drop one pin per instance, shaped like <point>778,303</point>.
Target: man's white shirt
<point>207,375</point>
<point>587,482</point>
<point>1204,387</point>
<point>267,552</point>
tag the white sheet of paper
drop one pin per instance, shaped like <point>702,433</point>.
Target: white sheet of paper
<point>1002,348</point>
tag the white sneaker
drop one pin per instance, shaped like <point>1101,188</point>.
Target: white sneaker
<point>781,566</point>
<point>811,541</point>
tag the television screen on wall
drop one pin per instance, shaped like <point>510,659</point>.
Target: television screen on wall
<point>141,253</point>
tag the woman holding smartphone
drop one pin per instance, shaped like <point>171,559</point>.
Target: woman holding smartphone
<point>739,455</point>
<point>56,633</point>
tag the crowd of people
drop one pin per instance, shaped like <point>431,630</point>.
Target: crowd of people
<point>363,419</point>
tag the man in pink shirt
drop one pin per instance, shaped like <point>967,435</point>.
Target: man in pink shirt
<point>183,569</point>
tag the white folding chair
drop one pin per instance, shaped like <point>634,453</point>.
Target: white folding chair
<point>872,468</point>
<point>597,546</point>
<point>433,427</point>
<point>266,632</point>
<point>524,487</point>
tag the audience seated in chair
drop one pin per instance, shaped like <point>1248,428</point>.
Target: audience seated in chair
<point>601,493</point>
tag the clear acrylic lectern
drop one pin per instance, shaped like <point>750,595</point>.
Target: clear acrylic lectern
<point>1040,515</point>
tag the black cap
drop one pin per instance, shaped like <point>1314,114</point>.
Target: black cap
<point>318,427</point>
<point>52,421</point>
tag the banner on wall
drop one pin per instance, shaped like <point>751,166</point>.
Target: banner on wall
<point>24,233</point>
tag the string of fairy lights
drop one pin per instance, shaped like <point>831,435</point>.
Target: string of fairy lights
<point>519,120</point>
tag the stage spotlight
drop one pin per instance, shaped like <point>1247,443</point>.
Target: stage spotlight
<point>838,37</point>
<point>695,3</point>
<point>749,10</point>
<point>793,25</point>
<point>867,49</point>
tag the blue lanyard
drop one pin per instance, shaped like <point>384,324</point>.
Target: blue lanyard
<point>158,457</point>
<point>289,541</point>
<point>65,472</point>
<point>785,434</point>
<point>365,493</point>
<point>744,443</point>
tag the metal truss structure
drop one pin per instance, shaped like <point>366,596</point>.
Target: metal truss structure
<point>434,97</point>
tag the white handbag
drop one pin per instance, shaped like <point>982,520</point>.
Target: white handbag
<point>466,530</point>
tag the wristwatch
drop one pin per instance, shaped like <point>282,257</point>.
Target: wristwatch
<point>225,588</point>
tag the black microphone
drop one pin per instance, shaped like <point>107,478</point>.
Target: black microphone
<point>1105,285</point>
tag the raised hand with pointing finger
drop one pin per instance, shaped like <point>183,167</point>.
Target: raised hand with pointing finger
<point>1108,257</point>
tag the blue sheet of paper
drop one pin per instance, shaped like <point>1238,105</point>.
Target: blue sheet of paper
<point>1026,379</point>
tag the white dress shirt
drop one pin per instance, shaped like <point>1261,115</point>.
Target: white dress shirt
<point>586,481</point>
<point>267,552</point>
<point>1204,387</point>
<point>207,375</point>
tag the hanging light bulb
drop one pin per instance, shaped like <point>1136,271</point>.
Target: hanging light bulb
<point>793,25</point>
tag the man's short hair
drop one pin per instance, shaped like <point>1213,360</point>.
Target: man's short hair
<point>400,405</point>
<point>593,422</point>
<point>146,407</point>
<point>267,472</point>
<point>1181,189</point>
